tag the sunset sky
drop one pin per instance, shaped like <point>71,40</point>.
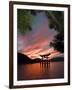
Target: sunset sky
<point>36,42</point>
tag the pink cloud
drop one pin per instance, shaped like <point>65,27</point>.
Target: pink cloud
<point>36,41</point>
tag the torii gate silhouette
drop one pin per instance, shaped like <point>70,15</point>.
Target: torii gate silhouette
<point>45,56</point>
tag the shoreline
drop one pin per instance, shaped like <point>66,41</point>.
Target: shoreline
<point>42,61</point>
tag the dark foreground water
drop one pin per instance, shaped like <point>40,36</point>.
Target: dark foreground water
<point>41,70</point>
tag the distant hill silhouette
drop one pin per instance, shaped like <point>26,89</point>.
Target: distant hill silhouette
<point>57,59</point>
<point>24,59</point>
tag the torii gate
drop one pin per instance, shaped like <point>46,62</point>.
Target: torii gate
<point>45,56</point>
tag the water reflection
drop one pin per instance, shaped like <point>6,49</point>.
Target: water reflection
<point>42,70</point>
<point>44,66</point>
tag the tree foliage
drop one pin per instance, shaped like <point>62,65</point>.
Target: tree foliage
<point>24,20</point>
<point>58,42</point>
<point>57,22</point>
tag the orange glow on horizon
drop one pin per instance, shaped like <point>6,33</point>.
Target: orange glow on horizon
<point>37,52</point>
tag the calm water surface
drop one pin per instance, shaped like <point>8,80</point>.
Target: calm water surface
<point>41,70</point>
